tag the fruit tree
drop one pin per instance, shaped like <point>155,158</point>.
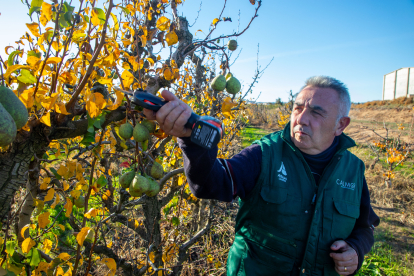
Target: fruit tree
<point>87,184</point>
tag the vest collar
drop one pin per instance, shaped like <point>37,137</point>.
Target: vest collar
<point>345,142</point>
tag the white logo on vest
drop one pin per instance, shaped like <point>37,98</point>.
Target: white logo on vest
<point>282,173</point>
<point>345,185</point>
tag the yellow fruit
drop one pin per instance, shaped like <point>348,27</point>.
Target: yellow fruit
<point>233,85</point>
<point>219,83</point>
<point>8,128</point>
<point>140,133</point>
<point>14,106</point>
<point>125,131</point>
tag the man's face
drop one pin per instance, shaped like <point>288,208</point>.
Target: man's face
<point>313,121</point>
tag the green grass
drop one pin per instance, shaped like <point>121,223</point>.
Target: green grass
<point>251,134</point>
<point>382,260</point>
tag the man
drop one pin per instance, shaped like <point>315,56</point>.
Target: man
<point>304,202</point>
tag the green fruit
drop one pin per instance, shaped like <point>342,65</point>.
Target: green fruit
<point>139,184</point>
<point>80,202</point>
<point>232,45</point>
<point>141,133</point>
<point>126,179</point>
<point>156,170</point>
<point>14,106</point>
<point>125,131</point>
<point>135,193</point>
<point>233,85</point>
<point>219,83</point>
<point>8,128</point>
<point>154,188</point>
<point>150,125</point>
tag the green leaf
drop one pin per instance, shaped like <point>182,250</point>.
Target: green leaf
<point>11,57</point>
<point>35,6</point>
<point>86,18</point>
<point>99,121</point>
<point>34,257</point>
<point>68,17</point>
<point>125,10</point>
<point>175,221</point>
<point>88,138</point>
<point>33,53</point>
<point>10,246</point>
<point>101,15</point>
<point>102,181</point>
<point>26,77</point>
<point>55,173</point>
<point>166,210</point>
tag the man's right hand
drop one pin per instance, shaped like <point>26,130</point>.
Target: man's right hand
<point>172,116</point>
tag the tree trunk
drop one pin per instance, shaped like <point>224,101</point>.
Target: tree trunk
<point>152,212</point>
<point>14,168</point>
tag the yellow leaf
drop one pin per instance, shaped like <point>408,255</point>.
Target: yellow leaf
<point>53,60</point>
<point>61,108</point>
<point>82,235</point>
<point>167,74</point>
<point>252,2</point>
<point>95,104</point>
<point>94,18</point>
<point>47,10</point>
<point>57,46</point>
<point>76,193</point>
<point>46,119</point>
<point>57,200</point>
<point>111,264</point>
<point>34,29</point>
<point>48,102</point>
<point>118,101</point>
<point>127,78</point>
<point>13,68</point>
<point>43,220</point>
<point>198,31</point>
<point>23,230</point>
<point>49,195</point>
<point>59,271</point>
<point>47,245</point>
<point>45,183</point>
<point>68,206</point>
<point>62,227</point>
<point>171,38</point>
<point>163,23</point>
<point>215,21</point>
<point>43,266</point>
<point>64,256</point>
<point>150,60</point>
<point>91,213</point>
<point>158,57</point>
<point>27,245</point>
<point>62,170</point>
<point>227,106</point>
<point>65,186</point>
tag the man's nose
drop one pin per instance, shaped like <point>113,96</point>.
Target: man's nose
<point>303,118</point>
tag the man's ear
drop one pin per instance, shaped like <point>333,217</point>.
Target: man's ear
<point>341,125</point>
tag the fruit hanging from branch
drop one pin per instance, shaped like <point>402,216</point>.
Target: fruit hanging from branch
<point>219,83</point>
<point>141,133</point>
<point>232,45</point>
<point>126,130</point>
<point>126,179</point>
<point>233,85</point>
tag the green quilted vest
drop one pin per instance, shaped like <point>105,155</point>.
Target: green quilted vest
<point>288,223</point>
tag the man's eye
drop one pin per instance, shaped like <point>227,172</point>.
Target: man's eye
<point>316,113</point>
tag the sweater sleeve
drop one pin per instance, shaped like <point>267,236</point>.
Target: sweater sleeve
<point>222,179</point>
<point>362,236</point>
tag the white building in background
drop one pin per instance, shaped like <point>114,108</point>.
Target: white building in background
<point>399,83</point>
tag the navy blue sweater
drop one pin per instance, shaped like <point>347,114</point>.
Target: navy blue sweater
<point>225,179</point>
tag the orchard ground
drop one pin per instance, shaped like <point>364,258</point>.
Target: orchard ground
<point>393,252</point>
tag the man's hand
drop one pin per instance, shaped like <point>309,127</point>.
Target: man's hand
<point>346,260</point>
<point>172,116</point>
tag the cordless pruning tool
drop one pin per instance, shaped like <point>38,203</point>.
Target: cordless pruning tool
<point>206,131</point>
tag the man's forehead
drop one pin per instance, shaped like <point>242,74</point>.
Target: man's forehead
<point>317,96</point>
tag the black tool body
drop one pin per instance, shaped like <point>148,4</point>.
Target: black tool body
<point>206,131</point>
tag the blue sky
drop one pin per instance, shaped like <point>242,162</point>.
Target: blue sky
<point>354,41</point>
